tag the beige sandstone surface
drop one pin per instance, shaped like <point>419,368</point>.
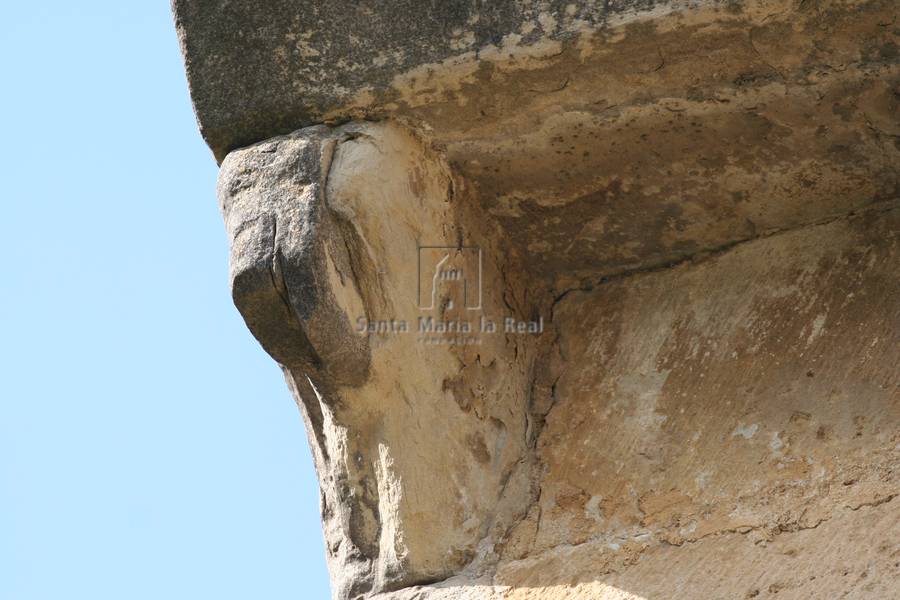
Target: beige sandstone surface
<point>682,220</point>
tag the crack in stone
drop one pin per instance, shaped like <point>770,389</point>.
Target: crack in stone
<point>705,255</point>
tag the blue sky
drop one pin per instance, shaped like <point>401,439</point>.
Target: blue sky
<point>148,446</point>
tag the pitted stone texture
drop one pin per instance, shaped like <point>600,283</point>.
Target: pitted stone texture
<point>258,70</point>
<point>285,245</point>
<point>420,451</point>
<point>727,428</point>
<point>700,198</point>
<point>600,137</point>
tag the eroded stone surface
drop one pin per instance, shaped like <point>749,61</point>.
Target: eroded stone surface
<point>755,393</point>
<point>601,137</point>
<point>259,71</point>
<point>698,204</point>
<point>727,429</point>
<point>415,446</point>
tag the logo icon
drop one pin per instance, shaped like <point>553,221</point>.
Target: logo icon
<point>449,277</point>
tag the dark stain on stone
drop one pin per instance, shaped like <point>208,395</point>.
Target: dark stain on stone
<point>478,448</point>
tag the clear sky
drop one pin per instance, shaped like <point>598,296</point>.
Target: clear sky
<point>148,446</point>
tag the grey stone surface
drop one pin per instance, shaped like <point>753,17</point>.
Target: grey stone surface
<point>261,69</point>
<point>281,239</point>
